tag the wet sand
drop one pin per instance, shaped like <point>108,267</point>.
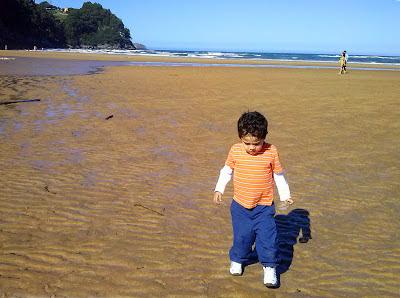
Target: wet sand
<point>43,66</point>
<point>122,207</point>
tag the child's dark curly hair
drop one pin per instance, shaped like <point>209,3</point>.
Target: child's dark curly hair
<point>253,123</point>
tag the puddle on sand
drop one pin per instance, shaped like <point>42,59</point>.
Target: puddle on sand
<point>18,126</point>
<point>128,113</point>
<point>167,153</point>
<point>34,66</point>
<point>65,157</point>
<point>43,164</point>
<point>140,131</point>
<point>77,133</point>
<point>73,93</point>
<point>59,111</point>
<point>68,90</point>
<point>3,124</point>
<point>25,149</point>
<point>90,179</point>
<point>56,111</point>
<point>75,156</point>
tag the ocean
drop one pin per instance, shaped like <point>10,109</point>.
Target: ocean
<point>40,66</point>
<point>330,58</point>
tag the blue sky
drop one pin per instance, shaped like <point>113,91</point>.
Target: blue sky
<point>305,26</point>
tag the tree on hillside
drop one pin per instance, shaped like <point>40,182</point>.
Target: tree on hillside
<point>25,24</point>
<point>46,5</point>
<point>94,26</point>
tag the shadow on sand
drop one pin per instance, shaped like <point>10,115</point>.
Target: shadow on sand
<point>289,227</point>
<point>296,223</point>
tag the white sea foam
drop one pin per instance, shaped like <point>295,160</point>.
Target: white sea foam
<point>218,53</point>
<point>324,58</point>
<point>201,56</point>
<point>329,56</point>
<point>377,57</point>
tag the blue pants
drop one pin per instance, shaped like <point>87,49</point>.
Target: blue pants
<point>254,226</point>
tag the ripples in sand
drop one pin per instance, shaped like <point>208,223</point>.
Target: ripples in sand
<point>122,207</point>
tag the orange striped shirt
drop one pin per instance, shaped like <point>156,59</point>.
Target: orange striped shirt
<point>253,182</point>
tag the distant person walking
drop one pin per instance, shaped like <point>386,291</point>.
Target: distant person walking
<point>343,62</point>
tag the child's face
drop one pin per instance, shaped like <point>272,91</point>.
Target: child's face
<point>252,144</point>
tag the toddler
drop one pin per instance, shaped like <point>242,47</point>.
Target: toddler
<point>256,169</point>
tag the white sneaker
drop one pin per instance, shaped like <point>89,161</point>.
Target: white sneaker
<point>236,268</point>
<point>270,279</point>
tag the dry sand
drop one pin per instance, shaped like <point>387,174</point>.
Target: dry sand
<point>123,207</point>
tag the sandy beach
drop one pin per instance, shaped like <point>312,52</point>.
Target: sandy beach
<point>107,181</point>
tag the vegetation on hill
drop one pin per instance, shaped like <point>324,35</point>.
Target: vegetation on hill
<point>24,24</point>
<point>93,26</point>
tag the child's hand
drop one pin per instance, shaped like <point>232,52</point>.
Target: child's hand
<point>285,204</point>
<point>290,201</point>
<point>217,198</point>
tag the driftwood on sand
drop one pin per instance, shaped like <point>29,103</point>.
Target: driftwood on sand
<point>18,101</point>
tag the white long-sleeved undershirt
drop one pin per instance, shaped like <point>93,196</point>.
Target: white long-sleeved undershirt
<point>225,175</point>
